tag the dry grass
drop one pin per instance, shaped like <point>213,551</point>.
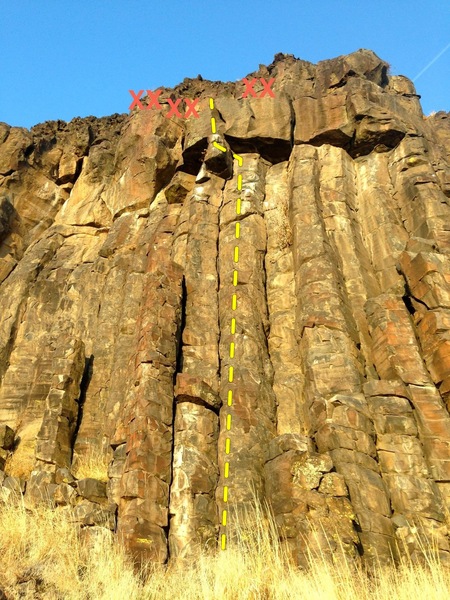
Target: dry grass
<point>43,546</point>
<point>22,461</point>
<point>93,463</point>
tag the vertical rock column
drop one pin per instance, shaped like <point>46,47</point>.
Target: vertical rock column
<point>396,356</point>
<point>138,231</point>
<point>380,221</point>
<point>21,348</point>
<point>55,438</point>
<point>54,441</point>
<point>147,422</point>
<point>104,303</point>
<point>16,291</point>
<point>334,409</point>
<point>325,325</point>
<point>306,495</point>
<point>282,303</point>
<point>253,400</point>
<point>193,513</point>
<point>414,496</point>
<point>30,373</point>
<point>423,204</point>
<point>426,275</point>
<point>428,284</point>
<point>339,204</point>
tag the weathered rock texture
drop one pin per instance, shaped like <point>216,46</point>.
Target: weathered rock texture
<point>116,269</point>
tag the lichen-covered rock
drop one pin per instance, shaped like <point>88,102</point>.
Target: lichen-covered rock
<point>92,489</point>
<point>260,309</point>
<point>87,513</point>
<point>64,495</point>
<point>41,487</point>
<point>6,437</point>
<point>15,484</point>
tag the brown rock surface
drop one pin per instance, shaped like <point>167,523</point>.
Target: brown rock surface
<point>117,275</point>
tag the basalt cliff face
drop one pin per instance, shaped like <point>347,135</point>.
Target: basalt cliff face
<point>124,305</point>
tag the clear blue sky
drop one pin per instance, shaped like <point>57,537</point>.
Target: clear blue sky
<point>66,58</point>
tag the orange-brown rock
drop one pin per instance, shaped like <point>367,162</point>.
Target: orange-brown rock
<point>117,276</point>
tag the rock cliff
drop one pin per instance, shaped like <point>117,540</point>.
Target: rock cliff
<point>119,279</point>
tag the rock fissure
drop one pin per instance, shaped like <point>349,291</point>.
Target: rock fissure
<point>84,386</point>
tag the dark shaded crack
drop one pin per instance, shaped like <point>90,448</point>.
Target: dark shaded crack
<point>199,402</point>
<point>408,303</point>
<point>389,139</point>
<point>344,80</point>
<point>193,157</point>
<point>92,224</point>
<point>293,123</point>
<point>84,386</point>
<point>219,282</point>
<point>179,333</point>
<point>7,215</point>
<point>71,177</point>
<point>381,141</point>
<point>178,369</point>
<point>270,149</point>
<point>384,80</point>
<point>408,296</point>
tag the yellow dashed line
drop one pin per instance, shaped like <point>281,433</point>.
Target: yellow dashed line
<point>233,326</point>
<point>240,161</point>
<point>219,147</point>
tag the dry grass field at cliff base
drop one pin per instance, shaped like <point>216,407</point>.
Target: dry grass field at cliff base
<point>44,556</point>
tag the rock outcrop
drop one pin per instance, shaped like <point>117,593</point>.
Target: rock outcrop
<point>119,280</point>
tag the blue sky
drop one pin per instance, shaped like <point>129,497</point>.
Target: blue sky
<point>65,58</point>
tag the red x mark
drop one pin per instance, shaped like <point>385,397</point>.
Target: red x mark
<point>266,86</point>
<point>174,108</point>
<point>249,87</point>
<point>153,97</point>
<point>136,100</point>
<point>191,108</point>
